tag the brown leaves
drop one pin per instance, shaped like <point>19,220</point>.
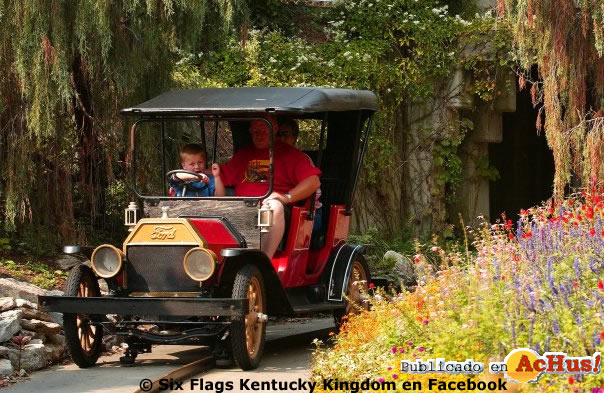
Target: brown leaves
<point>50,55</point>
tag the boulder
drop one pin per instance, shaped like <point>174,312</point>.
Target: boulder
<point>22,303</point>
<point>56,317</point>
<point>36,341</point>
<point>29,313</point>
<point>7,303</point>
<point>8,328</point>
<point>34,335</point>
<point>12,314</point>
<point>22,290</point>
<point>54,352</point>
<point>56,339</point>
<point>41,326</point>
<point>3,351</point>
<point>6,368</point>
<point>404,269</point>
<point>33,357</point>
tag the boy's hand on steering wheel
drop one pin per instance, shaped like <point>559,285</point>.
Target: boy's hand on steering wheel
<point>204,178</point>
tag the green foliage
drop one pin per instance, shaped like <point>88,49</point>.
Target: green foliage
<point>377,243</point>
<point>37,273</point>
<point>5,244</point>
<point>67,69</point>
<point>404,50</point>
<point>485,170</point>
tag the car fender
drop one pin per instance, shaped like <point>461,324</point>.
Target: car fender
<point>337,272</point>
<point>235,258</point>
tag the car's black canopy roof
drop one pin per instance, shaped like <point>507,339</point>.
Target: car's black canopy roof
<point>255,99</point>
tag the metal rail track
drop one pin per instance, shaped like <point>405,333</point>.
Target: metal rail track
<point>188,370</point>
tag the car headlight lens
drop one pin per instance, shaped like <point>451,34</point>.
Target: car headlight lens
<point>200,263</point>
<point>106,261</point>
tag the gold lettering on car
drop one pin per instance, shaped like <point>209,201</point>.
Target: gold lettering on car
<point>163,233</point>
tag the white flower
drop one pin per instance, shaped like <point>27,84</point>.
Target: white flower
<point>272,60</point>
<point>416,22</point>
<point>366,57</point>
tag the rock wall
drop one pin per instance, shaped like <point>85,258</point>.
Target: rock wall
<point>29,338</point>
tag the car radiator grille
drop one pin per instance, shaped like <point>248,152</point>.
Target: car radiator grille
<point>158,269</point>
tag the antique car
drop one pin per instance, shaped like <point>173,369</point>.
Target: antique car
<point>191,270</point>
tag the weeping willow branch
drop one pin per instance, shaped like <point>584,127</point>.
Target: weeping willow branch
<point>565,39</point>
<point>66,68</point>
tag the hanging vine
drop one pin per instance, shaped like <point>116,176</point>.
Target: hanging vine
<point>565,39</point>
<point>67,67</point>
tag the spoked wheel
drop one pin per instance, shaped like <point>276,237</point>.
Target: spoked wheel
<point>84,340</point>
<point>248,332</point>
<point>356,290</point>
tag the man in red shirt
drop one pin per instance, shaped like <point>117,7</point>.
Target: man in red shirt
<point>295,177</point>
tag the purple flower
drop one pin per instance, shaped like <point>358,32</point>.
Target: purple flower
<point>552,285</point>
<point>381,380</point>
<point>401,350</point>
<point>394,376</point>
<point>596,340</point>
<point>532,299</point>
<point>393,349</point>
<point>409,343</point>
<point>549,268</point>
<point>577,268</point>
<point>555,326</point>
<point>420,349</point>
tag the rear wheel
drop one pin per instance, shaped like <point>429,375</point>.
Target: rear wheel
<point>248,332</point>
<point>84,340</point>
<point>356,290</point>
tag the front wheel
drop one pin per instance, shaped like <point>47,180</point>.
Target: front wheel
<point>356,291</point>
<point>83,339</point>
<point>248,332</point>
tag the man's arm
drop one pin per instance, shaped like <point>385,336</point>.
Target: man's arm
<point>301,191</point>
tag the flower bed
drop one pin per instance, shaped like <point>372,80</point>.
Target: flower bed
<point>536,284</point>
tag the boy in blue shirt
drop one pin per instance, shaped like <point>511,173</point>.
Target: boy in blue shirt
<point>193,158</point>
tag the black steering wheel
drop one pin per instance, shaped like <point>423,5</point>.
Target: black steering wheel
<point>199,177</point>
